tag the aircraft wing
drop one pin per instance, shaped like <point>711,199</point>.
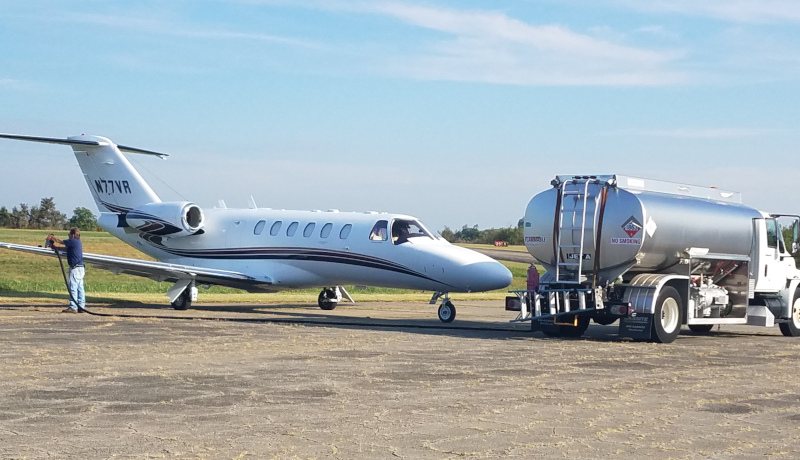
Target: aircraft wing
<point>158,271</point>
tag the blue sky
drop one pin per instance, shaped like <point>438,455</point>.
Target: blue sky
<point>455,112</point>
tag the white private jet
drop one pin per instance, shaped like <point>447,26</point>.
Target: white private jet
<point>265,250</point>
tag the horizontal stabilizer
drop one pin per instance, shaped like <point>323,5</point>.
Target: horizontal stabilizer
<point>73,141</point>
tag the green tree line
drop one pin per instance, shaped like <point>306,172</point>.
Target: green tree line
<point>467,234</point>
<point>46,216</point>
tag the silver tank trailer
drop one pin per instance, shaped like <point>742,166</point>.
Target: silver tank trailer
<point>646,225</point>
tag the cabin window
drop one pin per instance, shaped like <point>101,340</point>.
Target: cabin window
<point>345,231</point>
<point>291,229</point>
<point>326,230</point>
<point>309,229</point>
<point>379,232</point>
<point>259,227</point>
<point>276,227</point>
<point>772,233</point>
<point>404,230</point>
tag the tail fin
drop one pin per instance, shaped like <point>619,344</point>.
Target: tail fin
<point>115,184</point>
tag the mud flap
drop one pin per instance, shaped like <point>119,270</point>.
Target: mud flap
<point>637,327</point>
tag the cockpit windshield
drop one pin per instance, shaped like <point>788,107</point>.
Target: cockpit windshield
<point>404,230</point>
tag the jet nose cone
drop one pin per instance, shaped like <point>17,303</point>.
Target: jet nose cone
<point>488,276</point>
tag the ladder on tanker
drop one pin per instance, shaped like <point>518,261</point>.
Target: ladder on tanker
<point>570,271</point>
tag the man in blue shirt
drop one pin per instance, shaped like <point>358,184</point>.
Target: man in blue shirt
<point>74,249</point>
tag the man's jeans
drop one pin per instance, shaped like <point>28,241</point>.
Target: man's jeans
<point>76,287</point>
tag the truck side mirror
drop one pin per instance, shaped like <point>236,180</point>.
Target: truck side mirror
<point>795,236</point>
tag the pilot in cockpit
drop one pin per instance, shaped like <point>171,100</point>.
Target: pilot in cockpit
<point>400,232</point>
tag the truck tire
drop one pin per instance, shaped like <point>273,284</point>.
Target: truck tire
<point>667,316</point>
<point>792,328</point>
<point>568,332</point>
<point>701,327</point>
<point>574,332</point>
<point>604,320</point>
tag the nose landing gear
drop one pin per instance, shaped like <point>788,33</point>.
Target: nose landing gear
<point>447,311</point>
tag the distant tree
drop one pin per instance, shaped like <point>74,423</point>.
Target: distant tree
<point>83,219</point>
<point>20,217</point>
<point>509,235</point>
<point>448,234</point>
<point>468,234</point>
<point>5,217</point>
<point>46,216</point>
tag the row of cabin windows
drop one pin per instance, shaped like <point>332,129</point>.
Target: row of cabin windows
<point>307,231</point>
<point>401,230</point>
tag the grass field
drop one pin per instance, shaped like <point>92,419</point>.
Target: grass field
<point>28,278</point>
<point>513,248</point>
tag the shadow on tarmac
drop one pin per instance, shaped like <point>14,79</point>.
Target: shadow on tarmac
<point>310,315</point>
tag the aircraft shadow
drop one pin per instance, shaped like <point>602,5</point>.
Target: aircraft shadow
<point>310,315</point>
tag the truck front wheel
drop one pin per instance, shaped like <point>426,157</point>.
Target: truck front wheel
<point>792,328</point>
<point>667,316</point>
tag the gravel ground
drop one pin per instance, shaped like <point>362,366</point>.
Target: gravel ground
<point>83,386</point>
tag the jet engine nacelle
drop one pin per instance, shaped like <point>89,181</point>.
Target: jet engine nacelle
<point>173,218</point>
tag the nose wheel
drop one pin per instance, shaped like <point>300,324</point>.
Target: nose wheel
<point>447,311</point>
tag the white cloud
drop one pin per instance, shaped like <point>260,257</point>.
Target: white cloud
<point>754,11</point>
<point>699,133</point>
<point>489,46</point>
<point>165,27</point>
<point>16,85</point>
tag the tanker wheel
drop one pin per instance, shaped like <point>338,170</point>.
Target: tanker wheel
<point>701,327</point>
<point>792,328</point>
<point>604,320</point>
<point>667,317</point>
<point>575,331</point>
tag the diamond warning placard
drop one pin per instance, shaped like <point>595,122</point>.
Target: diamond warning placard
<point>632,226</point>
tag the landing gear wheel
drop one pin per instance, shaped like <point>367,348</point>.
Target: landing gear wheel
<point>701,327</point>
<point>792,328</point>
<point>184,301</point>
<point>447,312</point>
<point>327,299</point>
<point>667,317</point>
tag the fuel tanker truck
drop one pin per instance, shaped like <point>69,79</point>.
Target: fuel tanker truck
<point>655,255</point>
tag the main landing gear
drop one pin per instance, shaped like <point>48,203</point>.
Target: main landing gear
<point>447,311</point>
<point>184,301</point>
<point>330,297</point>
<point>182,294</point>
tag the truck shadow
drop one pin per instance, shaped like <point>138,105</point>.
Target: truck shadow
<point>309,314</point>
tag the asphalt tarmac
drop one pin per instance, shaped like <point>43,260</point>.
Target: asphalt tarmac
<point>383,381</point>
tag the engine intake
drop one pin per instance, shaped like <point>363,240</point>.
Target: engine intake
<point>175,218</point>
